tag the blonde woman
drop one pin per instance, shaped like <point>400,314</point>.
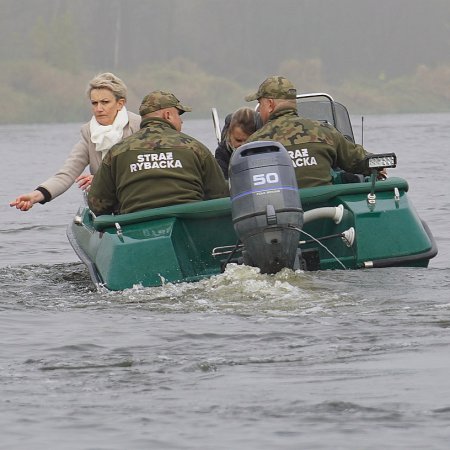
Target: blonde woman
<point>110,123</point>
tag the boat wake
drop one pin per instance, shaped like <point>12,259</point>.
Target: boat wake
<point>239,290</point>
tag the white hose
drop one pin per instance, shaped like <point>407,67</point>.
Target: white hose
<point>329,212</point>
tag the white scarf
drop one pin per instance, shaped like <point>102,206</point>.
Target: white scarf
<point>105,136</point>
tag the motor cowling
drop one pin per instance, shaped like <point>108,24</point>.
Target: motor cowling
<point>265,205</point>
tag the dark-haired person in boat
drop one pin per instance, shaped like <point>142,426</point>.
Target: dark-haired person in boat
<point>110,123</point>
<point>237,129</point>
<point>314,147</point>
<point>157,166</point>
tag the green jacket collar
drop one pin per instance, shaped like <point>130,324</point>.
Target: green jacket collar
<point>284,111</point>
<point>149,120</point>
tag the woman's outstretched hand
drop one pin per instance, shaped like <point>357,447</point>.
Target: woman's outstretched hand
<point>25,202</point>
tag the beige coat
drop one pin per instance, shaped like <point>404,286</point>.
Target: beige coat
<point>82,155</point>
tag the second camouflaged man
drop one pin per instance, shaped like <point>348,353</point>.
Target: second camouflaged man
<point>157,166</point>
<point>315,148</point>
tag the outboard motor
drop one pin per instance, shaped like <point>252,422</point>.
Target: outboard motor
<point>265,205</point>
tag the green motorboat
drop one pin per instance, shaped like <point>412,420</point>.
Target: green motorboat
<point>357,225</point>
<point>194,241</point>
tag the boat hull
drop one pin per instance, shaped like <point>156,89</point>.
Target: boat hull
<point>176,243</point>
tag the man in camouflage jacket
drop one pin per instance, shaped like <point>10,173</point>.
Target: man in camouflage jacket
<point>157,166</point>
<point>314,147</point>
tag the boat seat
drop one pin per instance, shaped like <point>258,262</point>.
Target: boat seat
<point>222,206</point>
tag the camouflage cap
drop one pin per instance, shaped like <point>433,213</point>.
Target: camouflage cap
<point>157,100</point>
<point>274,87</point>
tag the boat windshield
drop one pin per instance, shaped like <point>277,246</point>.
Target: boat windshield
<point>313,106</point>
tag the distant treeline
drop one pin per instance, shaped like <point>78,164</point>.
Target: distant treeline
<point>36,92</point>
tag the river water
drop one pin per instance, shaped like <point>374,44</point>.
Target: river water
<point>326,360</point>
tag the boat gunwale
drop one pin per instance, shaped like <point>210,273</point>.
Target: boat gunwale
<point>222,207</point>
